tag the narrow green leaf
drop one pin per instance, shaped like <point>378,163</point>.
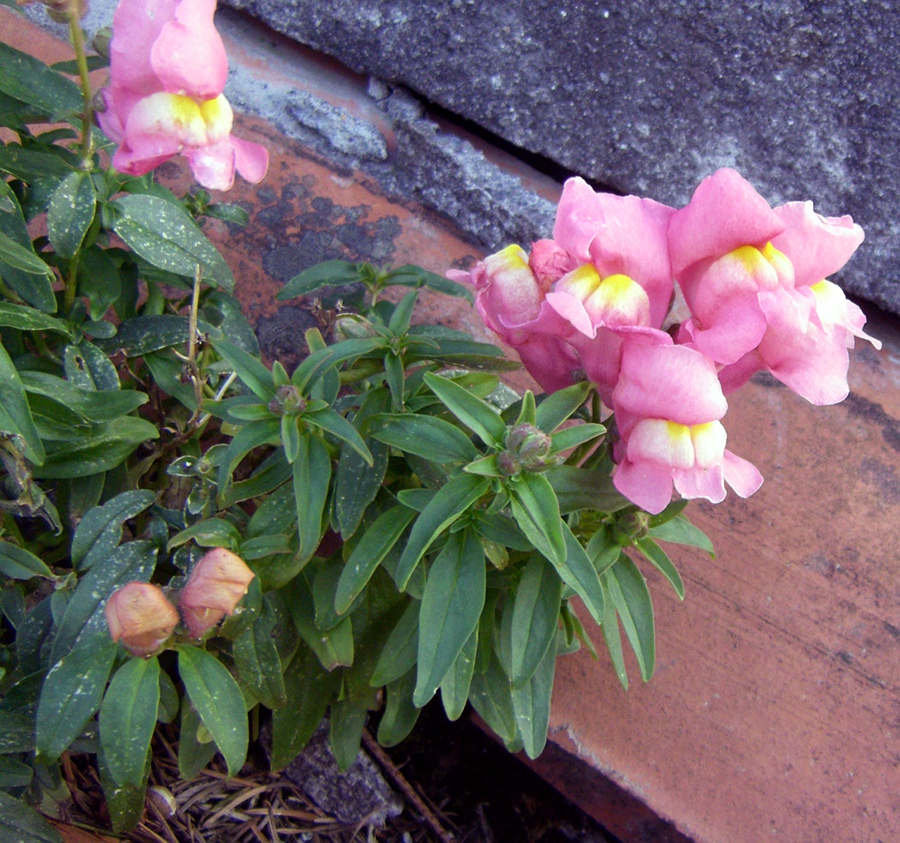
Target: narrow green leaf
<point>71,212</point>
<point>334,647</point>
<point>491,697</point>
<point>536,511</point>
<point>165,235</point>
<point>210,532</point>
<point>252,435</point>
<point>398,655</point>
<point>28,319</point>
<point>535,618</point>
<point>402,315</point>
<point>572,437</point>
<point>474,413</point>
<point>579,488</point>
<point>102,448</point>
<point>338,426</point>
<point>30,80</point>
<point>368,554</point>
<point>456,683</point>
<point>531,705</point>
<point>193,753</point>
<point>127,720</point>
<point>631,597</point>
<point>101,528</point>
<point>14,403</point>
<point>14,773</point>
<point>290,437</point>
<point>451,607</point>
<point>613,638</point>
<point>257,661</point>
<point>559,406</point>
<point>328,274</point>
<point>680,531</point>
<point>411,275</point>
<point>71,695</point>
<point>445,507</point>
<point>311,478</point>
<point>427,436</point>
<point>22,824</point>
<point>400,714</point>
<point>218,700</point>
<point>660,560</point>
<point>20,564</point>
<point>248,368</point>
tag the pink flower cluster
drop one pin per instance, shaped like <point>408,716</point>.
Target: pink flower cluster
<point>591,303</point>
<point>167,72</point>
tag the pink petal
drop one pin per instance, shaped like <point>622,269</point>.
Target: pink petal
<point>698,482</point>
<point>646,484</point>
<point>250,159</point>
<point>724,213</point>
<point>136,26</point>
<point>741,475</point>
<point>668,382</point>
<point>213,165</point>
<point>189,57</point>
<point>817,246</point>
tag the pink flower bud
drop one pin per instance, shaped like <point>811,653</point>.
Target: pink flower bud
<point>214,589</point>
<point>140,616</point>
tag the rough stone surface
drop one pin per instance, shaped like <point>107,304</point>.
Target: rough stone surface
<point>650,97</point>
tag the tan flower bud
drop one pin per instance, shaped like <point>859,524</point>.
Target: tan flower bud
<point>140,616</point>
<point>216,585</point>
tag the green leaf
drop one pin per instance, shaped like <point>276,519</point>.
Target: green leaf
<point>30,80</point>
<point>102,448</point>
<point>451,607</point>
<point>253,374</point>
<point>88,367</point>
<point>14,774</point>
<point>16,731</point>
<point>89,405</point>
<point>127,721</point>
<point>309,689</point>
<point>457,681</point>
<point>580,488</point>
<point>84,617</point>
<point>680,531</point>
<point>328,274</point>
<point>35,167</point>
<point>335,424</point>
<point>536,511</point>
<point>660,560</point>
<point>252,435</point>
<point>18,257</point>
<point>71,695</point>
<point>219,702</point>
<point>531,705</point>
<point>580,575</point>
<point>613,640</point>
<point>368,554</point>
<point>195,746</point>
<point>311,478</point>
<point>400,714</point>
<point>347,719</point>
<point>101,528</point>
<point>257,661</point>
<point>534,619</point>
<point>21,824</point>
<point>474,413</point>
<point>451,501</point>
<point>20,564</point>
<point>416,276</point>
<point>333,647</point>
<point>71,213</point>
<point>559,406</point>
<point>398,655</point>
<point>631,597</point>
<point>14,404</point>
<point>491,697</point>
<point>144,334</point>
<point>427,436</point>
<point>165,235</point>
<point>210,532</point>
<point>572,437</point>
<point>101,279</point>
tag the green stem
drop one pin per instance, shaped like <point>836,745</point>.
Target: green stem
<point>87,118</point>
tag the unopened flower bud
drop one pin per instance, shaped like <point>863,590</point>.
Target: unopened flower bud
<point>101,41</point>
<point>287,401</point>
<point>60,10</point>
<point>140,616</point>
<point>214,589</point>
<point>352,326</point>
<point>528,446</point>
<point>632,526</point>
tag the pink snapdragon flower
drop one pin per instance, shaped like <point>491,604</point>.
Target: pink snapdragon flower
<point>755,280</point>
<point>668,405</point>
<point>214,589</point>
<point>141,617</point>
<point>567,308</point>
<point>167,73</point>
